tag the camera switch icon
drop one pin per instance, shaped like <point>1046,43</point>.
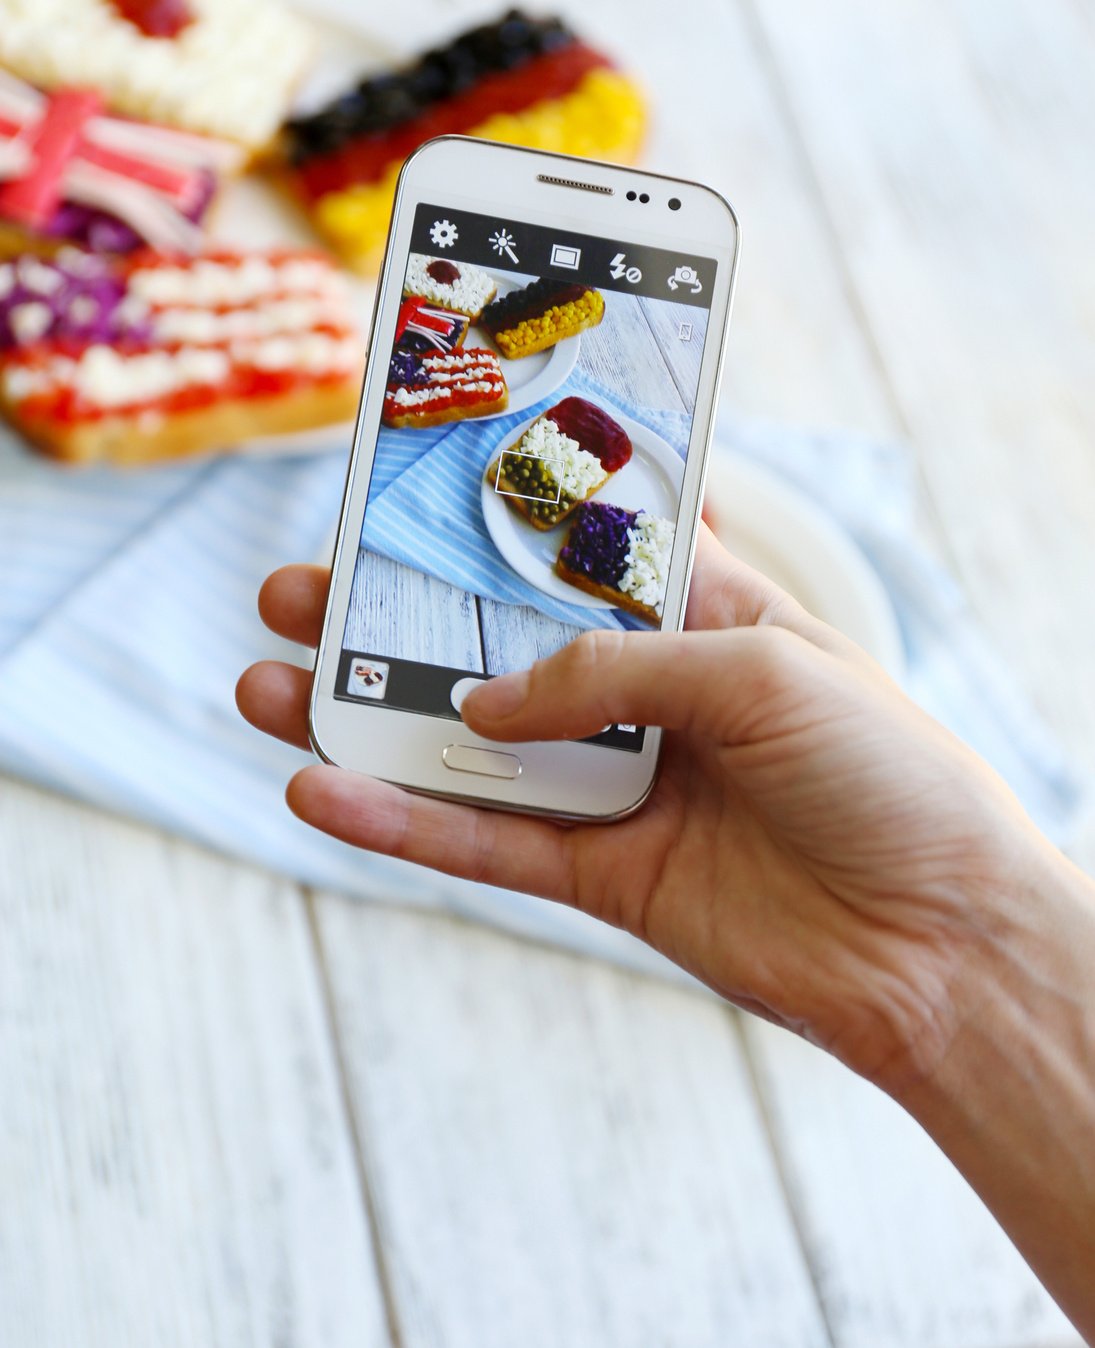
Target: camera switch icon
<point>685,276</point>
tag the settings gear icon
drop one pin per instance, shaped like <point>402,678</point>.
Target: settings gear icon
<point>443,233</point>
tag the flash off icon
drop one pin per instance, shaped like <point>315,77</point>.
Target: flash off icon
<point>618,268</point>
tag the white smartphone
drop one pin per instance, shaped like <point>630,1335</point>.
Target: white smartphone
<point>528,461</point>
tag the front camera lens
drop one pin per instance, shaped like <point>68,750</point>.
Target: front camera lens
<point>674,203</point>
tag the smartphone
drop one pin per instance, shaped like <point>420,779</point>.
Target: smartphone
<point>528,461</point>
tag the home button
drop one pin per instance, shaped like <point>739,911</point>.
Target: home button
<point>484,762</point>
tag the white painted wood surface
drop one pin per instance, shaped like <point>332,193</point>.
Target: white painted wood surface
<point>388,597</point>
<point>175,1166</point>
<point>577,1157</point>
<point>956,173</point>
<point>193,1142</point>
<point>903,1250</point>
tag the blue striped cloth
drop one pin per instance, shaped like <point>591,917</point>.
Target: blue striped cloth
<point>425,501</point>
<point>127,611</point>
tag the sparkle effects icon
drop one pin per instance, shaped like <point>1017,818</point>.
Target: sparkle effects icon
<point>443,233</point>
<point>502,241</point>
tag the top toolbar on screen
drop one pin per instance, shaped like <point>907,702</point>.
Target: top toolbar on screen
<point>610,264</point>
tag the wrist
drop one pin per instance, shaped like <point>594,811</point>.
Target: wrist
<point>1012,1100</point>
<point>1023,985</point>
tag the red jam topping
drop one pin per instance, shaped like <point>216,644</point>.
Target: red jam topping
<point>64,404</point>
<point>594,430</point>
<point>444,273</point>
<point>449,386</point>
<point>61,401</point>
<point>156,18</point>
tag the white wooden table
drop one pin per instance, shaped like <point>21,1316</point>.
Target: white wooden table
<point>235,1113</point>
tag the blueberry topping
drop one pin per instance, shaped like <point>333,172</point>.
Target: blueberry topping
<point>404,368</point>
<point>385,101</point>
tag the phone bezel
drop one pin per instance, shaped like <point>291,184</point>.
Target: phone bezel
<point>563,779</point>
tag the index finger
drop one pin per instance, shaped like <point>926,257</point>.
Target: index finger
<point>512,851</point>
<point>292,601</point>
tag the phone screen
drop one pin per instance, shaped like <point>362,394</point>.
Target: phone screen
<point>527,479</point>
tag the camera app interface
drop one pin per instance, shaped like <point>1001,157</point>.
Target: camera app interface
<point>528,469</point>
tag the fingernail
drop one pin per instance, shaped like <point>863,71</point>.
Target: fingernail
<point>500,697</point>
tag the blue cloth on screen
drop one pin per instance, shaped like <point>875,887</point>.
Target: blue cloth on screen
<point>425,501</point>
<point>127,611</point>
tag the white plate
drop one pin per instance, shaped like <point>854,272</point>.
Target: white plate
<point>778,530</point>
<point>650,481</point>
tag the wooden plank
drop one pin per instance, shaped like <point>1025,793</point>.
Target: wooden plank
<point>622,354</point>
<point>397,611</point>
<point>949,168</point>
<point>515,636</point>
<point>796,350</point>
<point>176,1164</point>
<point>683,355</point>
<point>907,164</point>
<point>906,1254</point>
<point>576,1156</point>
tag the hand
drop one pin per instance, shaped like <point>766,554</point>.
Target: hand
<point>816,849</point>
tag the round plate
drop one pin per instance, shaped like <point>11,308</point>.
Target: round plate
<point>650,481</point>
<point>779,531</point>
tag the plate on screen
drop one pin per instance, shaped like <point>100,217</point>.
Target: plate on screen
<point>651,481</point>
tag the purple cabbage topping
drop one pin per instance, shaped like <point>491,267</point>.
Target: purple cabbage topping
<point>597,544</point>
<point>78,298</point>
<point>404,368</point>
<point>105,233</point>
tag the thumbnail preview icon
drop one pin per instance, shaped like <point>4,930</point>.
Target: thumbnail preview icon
<point>368,678</point>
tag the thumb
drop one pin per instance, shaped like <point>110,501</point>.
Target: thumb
<point>714,682</point>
